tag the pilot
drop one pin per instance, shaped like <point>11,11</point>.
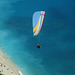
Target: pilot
<point>38,46</point>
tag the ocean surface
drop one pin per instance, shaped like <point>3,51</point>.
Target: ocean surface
<point>57,36</point>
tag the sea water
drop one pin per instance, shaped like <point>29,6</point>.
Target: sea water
<point>57,37</point>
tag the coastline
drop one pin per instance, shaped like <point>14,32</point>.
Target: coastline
<point>7,66</point>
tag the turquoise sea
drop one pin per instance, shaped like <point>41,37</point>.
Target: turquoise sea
<point>57,37</point>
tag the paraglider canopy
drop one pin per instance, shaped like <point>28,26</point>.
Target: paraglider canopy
<point>38,18</point>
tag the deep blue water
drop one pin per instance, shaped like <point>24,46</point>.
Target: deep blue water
<point>57,37</point>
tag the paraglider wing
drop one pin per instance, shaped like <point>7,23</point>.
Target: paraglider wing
<point>38,18</point>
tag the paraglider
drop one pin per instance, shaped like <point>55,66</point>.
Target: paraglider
<point>38,46</point>
<point>38,18</point>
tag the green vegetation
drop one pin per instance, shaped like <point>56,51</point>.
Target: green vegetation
<point>1,74</point>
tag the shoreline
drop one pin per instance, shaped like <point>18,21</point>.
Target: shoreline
<point>7,66</point>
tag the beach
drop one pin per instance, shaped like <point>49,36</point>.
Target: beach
<point>7,67</point>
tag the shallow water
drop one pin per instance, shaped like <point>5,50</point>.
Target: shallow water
<point>57,37</point>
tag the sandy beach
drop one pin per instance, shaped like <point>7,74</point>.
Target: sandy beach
<point>7,67</point>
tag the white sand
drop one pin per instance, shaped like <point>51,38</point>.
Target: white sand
<point>12,68</point>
